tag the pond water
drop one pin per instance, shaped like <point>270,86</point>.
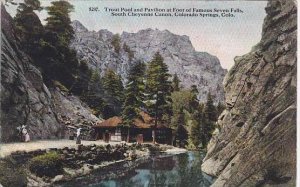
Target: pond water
<point>165,170</point>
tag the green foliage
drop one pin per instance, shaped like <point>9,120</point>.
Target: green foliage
<point>92,92</point>
<point>181,135</point>
<point>194,102</point>
<point>158,88</point>
<point>175,83</point>
<point>29,28</point>
<point>113,86</point>
<point>60,86</point>
<point>130,53</point>
<point>190,145</point>
<point>112,83</point>
<point>181,99</point>
<point>204,123</point>
<point>116,40</point>
<point>81,83</point>
<point>134,93</point>
<point>58,62</point>
<point>48,164</point>
<point>59,21</point>
<point>49,46</point>
<point>198,118</point>
<point>154,149</point>
<point>12,174</point>
<point>210,110</point>
<point>197,130</point>
<point>220,108</point>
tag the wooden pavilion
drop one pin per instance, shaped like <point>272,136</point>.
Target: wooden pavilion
<point>112,129</point>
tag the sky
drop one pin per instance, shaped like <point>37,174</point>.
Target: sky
<point>225,38</point>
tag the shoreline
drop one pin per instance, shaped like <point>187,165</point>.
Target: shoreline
<point>118,169</point>
<point>77,161</point>
<point>7,148</point>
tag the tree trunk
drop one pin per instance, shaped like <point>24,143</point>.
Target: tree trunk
<point>156,119</point>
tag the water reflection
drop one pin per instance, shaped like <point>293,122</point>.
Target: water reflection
<point>172,171</point>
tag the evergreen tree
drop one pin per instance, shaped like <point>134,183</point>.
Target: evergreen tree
<point>93,93</point>
<point>116,40</point>
<point>82,79</point>
<point>180,109</point>
<point>130,53</point>
<point>181,132</point>
<point>134,95</point>
<point>59,61</point>
<point>29,28</point>
<point>194,102</point>
<point>197,130</point>
<point>113,86</point>
<point>158,89</point>
<point>59,21</point>
<point>95,79</point>
<point>175,83</point>
<point>210,110</point>
<point>210,117</point>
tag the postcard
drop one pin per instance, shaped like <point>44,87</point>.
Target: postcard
<point>148,93</point>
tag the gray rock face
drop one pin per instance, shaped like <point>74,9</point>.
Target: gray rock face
<point>26,100</point>
<point>192,67</point>
<point>255,144</point>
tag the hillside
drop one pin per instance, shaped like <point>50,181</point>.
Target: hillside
<point>26,100</point>
<point>191,66</point>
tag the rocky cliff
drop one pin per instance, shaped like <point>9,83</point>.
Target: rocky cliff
<point>192,67</point>
<point>26,100</point>
<point>255,144</point>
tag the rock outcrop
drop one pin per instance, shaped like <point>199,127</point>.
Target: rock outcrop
<point>255,144</point>
<point>26,100</point>
<point>192,67</point>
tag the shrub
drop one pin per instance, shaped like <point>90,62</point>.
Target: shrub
<point>48,164</point>
<point>60,86</point>
<point>11,174</point>
<point>154,149</point>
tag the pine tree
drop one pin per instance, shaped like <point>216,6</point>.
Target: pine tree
<point>210,110</point>
<point>194,102</point>
<point>175,83</point>
<point>158,89</point>
<point>93,93</point>
<point>59,21</point>
<point>116,40</point>
<point>29,28</point>
<point>59,61</point>
<point>210,117</point>
<point>181,135</point>
<point>197,129</point>
<point>130,53</point>
<point>112,84</point>
<point>82,79</point>
<point>134,95</point>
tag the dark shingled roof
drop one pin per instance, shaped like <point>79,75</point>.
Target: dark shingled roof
<point>145,121</point>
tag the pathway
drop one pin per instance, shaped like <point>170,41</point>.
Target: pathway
<point>8,148</point>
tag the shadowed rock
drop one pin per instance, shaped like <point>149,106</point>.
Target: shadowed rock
<point>256,142</point>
